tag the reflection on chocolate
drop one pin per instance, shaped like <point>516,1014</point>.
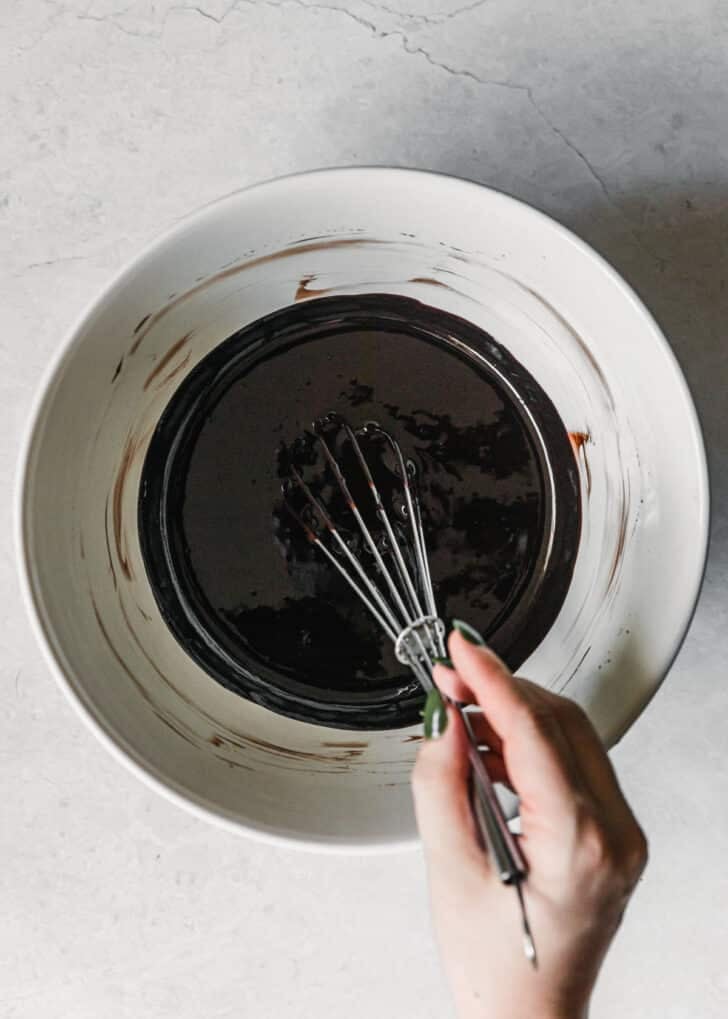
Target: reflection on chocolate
<point>253,602</point>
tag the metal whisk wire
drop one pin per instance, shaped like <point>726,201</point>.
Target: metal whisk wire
<point>408,615</point>
<point>403,618</point>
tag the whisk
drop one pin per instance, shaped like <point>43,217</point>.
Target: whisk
<point>386,564</point>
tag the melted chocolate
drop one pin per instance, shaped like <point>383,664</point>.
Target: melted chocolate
<point>257,605</point>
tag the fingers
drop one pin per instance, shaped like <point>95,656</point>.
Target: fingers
<point>587,746</point>
<point>574,816</point>
<point>589,752</point>
<point>538,758</point>
<point>551,753</point>
<point>453,687</point>
<point>440,788</point>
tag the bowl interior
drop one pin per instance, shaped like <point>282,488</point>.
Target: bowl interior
<point>557,308</point>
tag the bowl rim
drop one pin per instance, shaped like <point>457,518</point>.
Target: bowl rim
<point>53,371</point>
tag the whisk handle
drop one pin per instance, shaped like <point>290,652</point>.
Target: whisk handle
<point>497,838</point>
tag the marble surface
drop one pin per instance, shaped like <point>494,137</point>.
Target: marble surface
<point>119,117</point>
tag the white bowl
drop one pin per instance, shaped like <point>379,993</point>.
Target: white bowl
<point>559,308</point>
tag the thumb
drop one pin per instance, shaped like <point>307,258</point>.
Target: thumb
<point>442,805</point>
<point>536,753</point>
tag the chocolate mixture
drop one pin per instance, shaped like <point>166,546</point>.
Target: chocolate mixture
<point>253,601</point>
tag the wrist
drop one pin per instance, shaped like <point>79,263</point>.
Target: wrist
<point>566,1013</point>
<point>533,1012</point>
<point>537,1013</point>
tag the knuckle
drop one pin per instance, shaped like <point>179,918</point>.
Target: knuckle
<point>574,713</point>
<point>597,850</point>
<point>636,854</point>
<point>617,859</point>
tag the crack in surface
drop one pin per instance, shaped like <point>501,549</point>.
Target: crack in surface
<point>526,90</point>
<point>597,177</point>
<point>457,72</point>
<point>570,145</point>
<point>438,18</point>
<point>378,33</point>
<point>202,12</point>
<point>110,19</point>
<point>409,48</point>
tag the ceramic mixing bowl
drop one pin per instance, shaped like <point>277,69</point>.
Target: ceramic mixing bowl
<point>539,290</point>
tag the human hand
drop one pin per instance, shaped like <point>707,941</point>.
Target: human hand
<point>585,850</point>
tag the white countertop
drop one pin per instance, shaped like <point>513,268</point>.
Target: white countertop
<point>118,118</point>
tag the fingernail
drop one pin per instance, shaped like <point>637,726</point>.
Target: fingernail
<point>469,632</point>
<point>434,715</point>
<point>447,662</point>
